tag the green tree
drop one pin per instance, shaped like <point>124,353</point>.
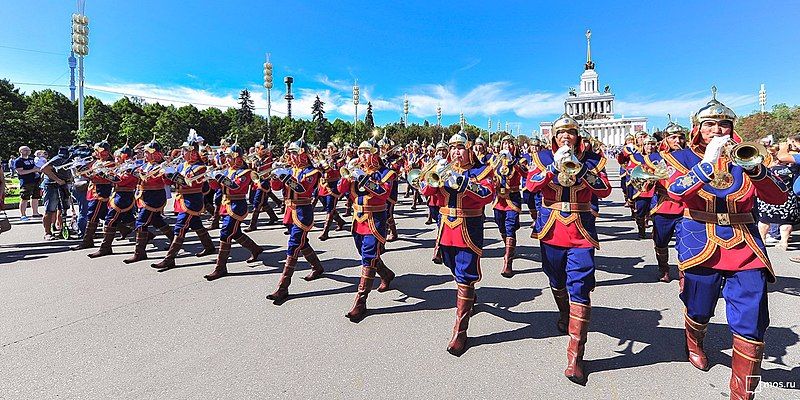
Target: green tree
<point>99,122</point>
<point>168,128</point>
<point>12,119</point>
<point>51,120</point>
<point>369,121</point>
<point>322,129</point>
<point>246,108</point>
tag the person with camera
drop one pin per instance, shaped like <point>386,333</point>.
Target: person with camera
<point>56,189</point>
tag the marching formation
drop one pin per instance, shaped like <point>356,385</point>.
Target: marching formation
<point>697,186</point>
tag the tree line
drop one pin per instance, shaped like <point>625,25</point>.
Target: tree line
<point>47,119</point>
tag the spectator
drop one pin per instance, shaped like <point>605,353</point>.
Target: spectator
<point>25,167</point>
<point>789,152</point>
<point>40,159</point>
<point>79,188</point>
<point>56,190</point>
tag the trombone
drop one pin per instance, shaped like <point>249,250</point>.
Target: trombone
<point>75,163</point>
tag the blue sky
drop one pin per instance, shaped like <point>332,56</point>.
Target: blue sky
<point>511,61</point>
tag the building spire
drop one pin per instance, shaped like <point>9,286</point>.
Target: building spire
<point>589,62</point>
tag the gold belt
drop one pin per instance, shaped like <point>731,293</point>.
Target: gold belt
<point>297,202</point>
<point>368,208</point>
<point>460,212</point>
<point>723,219</point>
<point>564,206</point>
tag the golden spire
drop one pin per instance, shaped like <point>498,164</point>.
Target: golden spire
<point>589,63</point>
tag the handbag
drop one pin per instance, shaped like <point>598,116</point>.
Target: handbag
<point>5,224</point>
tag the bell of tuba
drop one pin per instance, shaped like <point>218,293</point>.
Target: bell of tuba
<point>439,175</point>
<point>639,178</point>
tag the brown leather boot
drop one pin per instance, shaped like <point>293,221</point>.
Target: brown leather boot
<point>88,237</point>
<point>124,231</point>
<point>208,244</point>
<point>169,259</point>
<point>562,302</point>
<point>326,227</point>
<point>253,221</point>
<point>340,222</point>
<point>437,255</point>
<point>248,243</point>
<point>359,310</point>
<point>167,231</point>
<point>680,281</point>
<point>508,258</point>
<point>745,367</point>
<point>316,266</point>
<point>215,218</point>
<point>348,212</point>
<point>280,295</point>
<point>105,246</point>
<point>386,275</point>
<point>272,217</point>
<point>579,315</point>
<point>464,301</point>
<point>695,333</point>
<point>641,225</point>
<point>392,234</point>
<point>662,256</point>
<point>533,218</point>
<point>139,252</point>
<point>222,262</point>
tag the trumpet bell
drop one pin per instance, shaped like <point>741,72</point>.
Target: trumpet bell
<point>748,155</point>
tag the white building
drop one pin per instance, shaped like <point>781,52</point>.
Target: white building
<point>594,110</point>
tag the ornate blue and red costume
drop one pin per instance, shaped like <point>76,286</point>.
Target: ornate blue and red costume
<point>719,248</point>
<point>328,192</point>
<point>298,183</point>
<point>370,187</point>
<point>642,192</point>
<point>234,181</point>
<point>466,188</point>
<point>568,177</point>
<point>508,174</point>
<point>190,179</point>
<point>262,191</point>
<point>396,163</point>
<point>99,192</point>
<point>122,202</point>
<point>151,198</point>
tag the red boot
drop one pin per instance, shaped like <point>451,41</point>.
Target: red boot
<point>562,302</point>
<point>695,333</point>
<point>508,258</point>
<point>385,274</point>
<point>316,266</point>
<point>222,262</point>
<point>105,246</point>
<point>359,310</point>
<point>208,244</point>
<point>579,315</point>
<point>662,256</point>
<point>464,302</point>
<point>745,367</point>
<point>169,260</point>
<point>139,252</point>
<point>280,295</point>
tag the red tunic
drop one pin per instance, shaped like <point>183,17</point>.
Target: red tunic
<point>367,200</point>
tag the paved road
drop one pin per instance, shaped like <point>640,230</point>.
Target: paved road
<point>72,327</point>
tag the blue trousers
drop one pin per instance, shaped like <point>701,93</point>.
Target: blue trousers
<point>369,248</point>
<point>83,204</point>
<point>507,222</point>
<point>187,221</point>
<point>298,240</point>
<point>433,212</point>
<point>230,229</point>
<point>115,218</point>
<point>464,264</point>
<point>745,294</point>
<point>98,209</point>
<point>642,206</point>
<point>328,203</point>
<point>147,218</point>
<point>570,268</point>
<point>664,228</point>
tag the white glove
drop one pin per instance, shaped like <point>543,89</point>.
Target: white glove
<point>714,149</point>
<point>561,154</point>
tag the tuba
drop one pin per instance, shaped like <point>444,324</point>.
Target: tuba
<point>639,178</point>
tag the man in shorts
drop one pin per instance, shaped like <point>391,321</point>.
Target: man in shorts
<point>28,183</point>
<point>56,189</point>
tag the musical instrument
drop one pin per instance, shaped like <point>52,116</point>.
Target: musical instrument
<point>414,174</point>
<point>75,163</point>
<point>639,178</point>
<point>351,171</point>
<point>746,154</point>
<point>160,169</point>
<point>258,176</point>
<point>433,176</point>
<point>501,163</point>
<point>569,168</point>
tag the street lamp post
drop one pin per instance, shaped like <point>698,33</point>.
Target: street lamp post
<point>356,96</point>
<point>268,85</point>
<point>80,46</point>
<point>289,97</point>
<point>490,124</point>
<point>762,98</point>
<point>438,115</point>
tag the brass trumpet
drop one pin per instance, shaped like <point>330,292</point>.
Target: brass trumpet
<point>75,163</point>
<point>570,169</point>
<point>413,176</point>
<point>258,176</point>
<point>639,178</point>
<point>746,154</point>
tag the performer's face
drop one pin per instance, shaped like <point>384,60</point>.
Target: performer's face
<point>459,154</point>
<point>649,147</point>
<point>295,157</point>
<point>675,142</point>
<point>480,148</point>
<point>711,129</point>
<point>567,137</point>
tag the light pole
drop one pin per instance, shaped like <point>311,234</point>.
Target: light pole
<point>762,98</point>
<point>462,121</point>
<point>80,46</point>
<point>405,112</point>
<point>73,63</point>
<point>438,115</point>
<point>289,97</point>
<point>268,85</point>
<point>490,124</point>
<point>356,93</point>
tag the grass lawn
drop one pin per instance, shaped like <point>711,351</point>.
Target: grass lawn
<point>12,191</point>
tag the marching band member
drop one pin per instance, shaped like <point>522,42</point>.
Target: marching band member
<point>624,158</point>
<point>350,155</point>
<point>370,186</point>
<point>643,195</point>
<point>99,191</point>
<point>466,189</point>
<point>508,200</point>
<point>151,197</point>
<point>435,203</point>
<point>235,181</point>
<point>396,163</point>
<point>298,182</point>
<point>217,162</point>
<point>190,179</point>
<point>719,248</point>
<point>328,190</point>
<point>665,212</point>
<point>567,176</point>
<point>479,147</point>
<point>532,200</point>
<point>263,191</point>
<point>120,206</point>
